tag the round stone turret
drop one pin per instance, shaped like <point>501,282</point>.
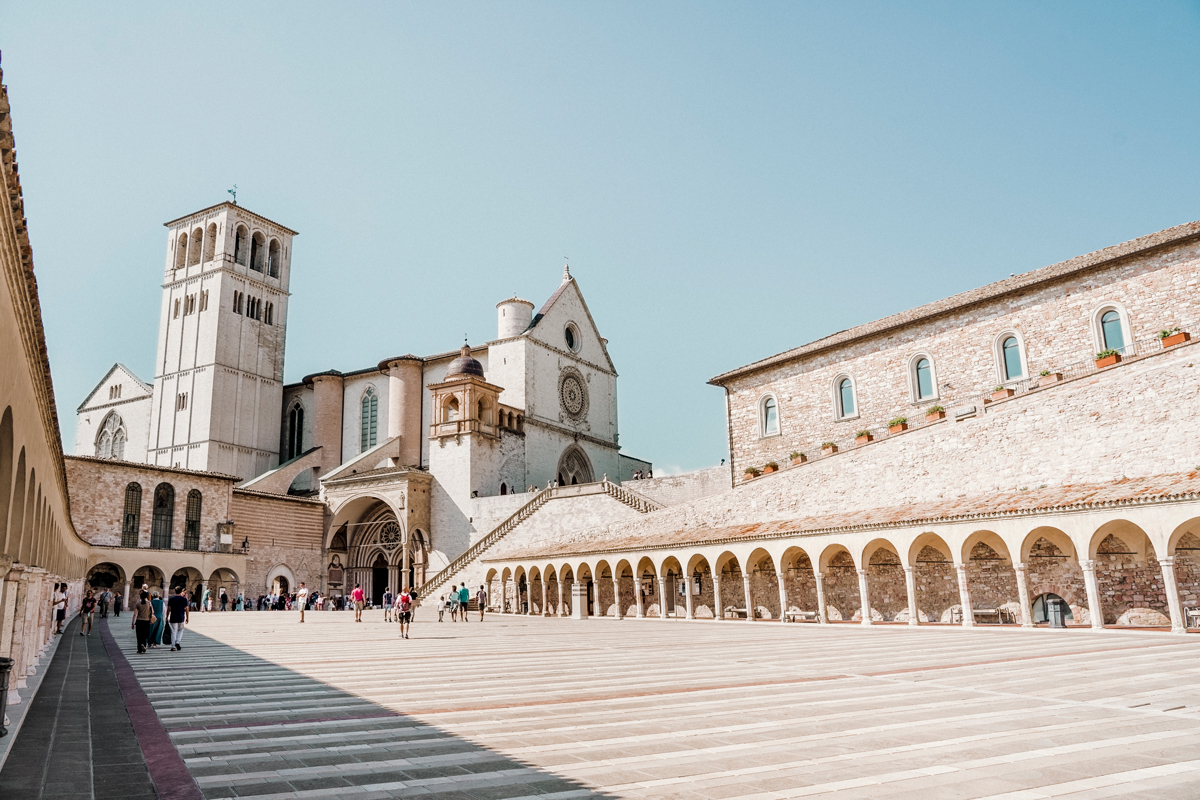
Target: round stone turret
<point>513,317</point>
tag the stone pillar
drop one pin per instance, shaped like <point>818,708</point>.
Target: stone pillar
<point>1023,594</point>
<point>125,604</point>
<point>637,594</point>
<point>749,598</point>
<point>910,587</point>
<point>405,564</point>
<point>394,578</point>
<point>617,597</point>
<point>822,609</point>
<point>545,610</point>
<point>864,597</point>
<point>504,606</point>
<point>1171,589</point>
<point>783,598</point>
<point>579,599</point>
<point>404,406</point>
<point>687,597</point>
<point>718,609</point>
<point>1093,593</point>
<point>562,609</point>
<point>964,596</point>
<point>662,597</point>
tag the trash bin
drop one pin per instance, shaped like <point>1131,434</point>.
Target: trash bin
<point>1055,613</point>
<point>6,665</point>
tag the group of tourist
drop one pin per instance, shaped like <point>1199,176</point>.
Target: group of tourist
<point>458,602</point>
<point>155,622</point>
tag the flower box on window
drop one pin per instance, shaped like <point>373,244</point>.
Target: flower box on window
<point>862,437</point>
<point>934,414</point>
<point>1106,358</point>
<point>1001,393</point>
<point>751,472</point>
<point>798,459</point>
<point>898,425</point>
<point>828,449</point>
<point>770,467</point>
<point>1047,378</point>
<point>1172,339</point>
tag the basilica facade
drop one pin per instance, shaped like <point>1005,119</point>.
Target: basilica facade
<point>414,457</point>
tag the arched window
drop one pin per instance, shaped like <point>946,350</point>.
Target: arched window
<point>923,379</point>
<point>240,245</point>
<point>503,488</point>
<point>273,258</point>
<point>191,524</point>
<point>210,241</point>
<point>1113,338</point>
<point>196,244</point>
<point>164,516</point>
<point>181,251</point>
<point>1010,354</point>
<point>256,252</point>
<point>370,421</point>
<point>295,431</point>
<point>844,398</point>
<point>118,445</point>
<point>110,442</point>
<point>131,521</point>
<point>270,315</point>
<point>450,410</point>
<point>769,417</point>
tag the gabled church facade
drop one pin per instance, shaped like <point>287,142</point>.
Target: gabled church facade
<point>416,457</point>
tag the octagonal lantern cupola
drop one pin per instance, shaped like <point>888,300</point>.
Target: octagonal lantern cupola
<point>464,403</point>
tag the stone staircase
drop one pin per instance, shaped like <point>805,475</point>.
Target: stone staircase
<point>630,498</point>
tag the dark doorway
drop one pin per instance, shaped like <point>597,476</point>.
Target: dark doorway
<point>379,577</point>
<point>1041,613</point>
<point>591,599</point>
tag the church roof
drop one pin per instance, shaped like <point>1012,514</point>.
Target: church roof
<point>147,388</point>
<point>243,209</point>
<point>465,364</point>
<point>972,297</point>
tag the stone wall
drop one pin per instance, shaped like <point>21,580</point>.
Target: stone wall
<point>672,490</point>
<point>281,531</point>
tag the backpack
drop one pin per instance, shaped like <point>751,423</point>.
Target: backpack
<point>405,603</point>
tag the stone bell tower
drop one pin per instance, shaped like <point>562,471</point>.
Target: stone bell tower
<point>218,382</point>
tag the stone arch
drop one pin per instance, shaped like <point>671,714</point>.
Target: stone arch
<point>764,585</point>
<point>147,575</point>
<point>991,574</point>
<point>574,467</point>
<point>647,587</point>
<point>279,570</point>
<point>799,579</point>
<point>550,584</point>
<point>673,599</point>
<point>887,595</point>
<point>190,579</point>
<point>841,582</point>
<point>700,585</point>
<point>627,601</point>
<point>1052,567</point>
<point>604,596</point>
<point>106,575</point>
<point>227,579</point>
<point>1128,576</point>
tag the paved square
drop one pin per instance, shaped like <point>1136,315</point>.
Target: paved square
<point>262,706</point>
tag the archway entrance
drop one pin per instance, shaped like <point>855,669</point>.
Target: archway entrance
<point>574,467</point>
<point>1041,611</point>
<point>280,586</point>
<point>379,579</point>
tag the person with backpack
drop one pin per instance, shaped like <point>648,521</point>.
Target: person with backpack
<point>404,605</point>
<point>481,597</point>
<point>464,600</point>
<point>388,602</point>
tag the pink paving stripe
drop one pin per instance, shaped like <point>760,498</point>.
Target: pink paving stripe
<point>170,775</point>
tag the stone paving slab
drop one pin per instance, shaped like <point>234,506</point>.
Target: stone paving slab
<point>528,707</point>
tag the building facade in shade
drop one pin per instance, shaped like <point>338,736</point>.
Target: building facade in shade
<point>415,456</point>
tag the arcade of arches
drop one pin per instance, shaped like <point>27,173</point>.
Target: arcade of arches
<point>1140,569</point>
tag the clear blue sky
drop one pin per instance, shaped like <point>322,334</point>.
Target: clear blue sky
<point>729,180</point>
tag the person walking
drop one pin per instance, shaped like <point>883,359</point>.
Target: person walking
<point>204,600</point>
<point>404,605</point>
<point>464,600</point>
<point>156,627</point>
<point>117,601</point>
<point>481,598</point>
<point>143,613</point>
<point>59,603</point>
<point>452,603</point>
<point>241,602</point>
<point>441,607</point>
<point>302,599</point>
<point>357,597</point>
<point>105,598</point>
<point>387,604</point>
<point>177,616</point>
<point>86,610</point>
<point>224,599</point>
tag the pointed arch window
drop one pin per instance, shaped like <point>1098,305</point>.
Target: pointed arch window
<point>164,516</point>
<point>370,421</point>
<point>110,443</point>
<point>131,520</point>
<point>191,524</point>
<point>295,431</point>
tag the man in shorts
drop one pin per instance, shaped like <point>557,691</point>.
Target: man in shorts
<point>388,600</point>
<point>105,599</point>
<point>356,597</point>
<point>59,604</point>
<point>464,600</point>
<point>178,612</point>
<point>481,598</point>
<point>404,605</point>
<point>302,599</point>
<point>87,610</point>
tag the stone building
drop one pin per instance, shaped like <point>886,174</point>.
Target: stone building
<point>989,457</point>
<point>415,457</point>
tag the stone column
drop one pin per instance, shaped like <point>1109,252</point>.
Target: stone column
<point>964,596</point>
<point>504,606</point>
<point>718,609</point>
<point>1171,589</point>
<point>1023,594</point>
<point>910,587</point>
<point>405,563</point>
<point>637,594</point>
<point>125,604</point>
<point>578,600</point>
<point>749,598</point>
<point>822,609</point>
<point>562,606</point>
<point>662,597</point>
<point>783,597</point>
<point>864,597</point>
<point>687,596</point>
<point>394,578</point>
<point>545,611</point>
<point>1093,593</point>
<point>617,597</point>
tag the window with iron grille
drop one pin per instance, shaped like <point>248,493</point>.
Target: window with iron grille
<point>132,518</point>
<point>164,516</point>
<point>191,526</point>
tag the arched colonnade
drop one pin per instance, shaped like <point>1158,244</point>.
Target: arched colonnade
<point>1132,565</point>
